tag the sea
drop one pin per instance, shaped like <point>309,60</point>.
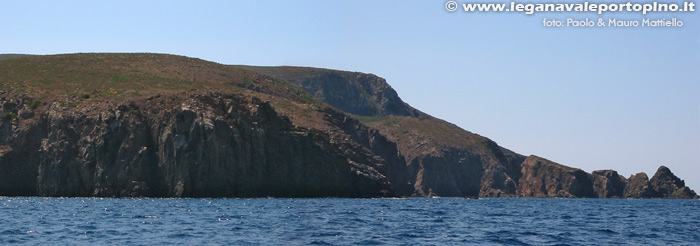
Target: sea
<point>337,221</point>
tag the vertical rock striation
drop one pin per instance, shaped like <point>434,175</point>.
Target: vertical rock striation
<point>188,146</point>
<point>116,125</point>
<point>471,165</point>
<point>544,178</point>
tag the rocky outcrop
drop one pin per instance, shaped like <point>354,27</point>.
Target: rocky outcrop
<point>186,146</point>
<point>18,167</point>
<point>116,125</point>
<point>453,174</point>
<point>457,172</point>
<point>544,178</point>
<point>433,170</point>
<point>638,186</point>
<point>385,156</point>
<point>355,93</point>
<point>666,185</point>
<point>608,184</point>
<point>476,166</point>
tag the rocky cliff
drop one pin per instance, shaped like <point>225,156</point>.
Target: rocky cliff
<point>355,93</point>
<point>544,178</point>
<point>441,158</point>
<point>445,160</point>
<point>666,185</point>
<point>189,145</point>
<point>117,125</point>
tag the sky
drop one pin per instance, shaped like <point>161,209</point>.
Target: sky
<point>626,99</point>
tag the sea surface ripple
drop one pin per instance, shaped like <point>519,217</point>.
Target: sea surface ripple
<point>334,221</point>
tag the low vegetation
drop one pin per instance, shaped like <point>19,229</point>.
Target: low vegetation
<point>95,77</point>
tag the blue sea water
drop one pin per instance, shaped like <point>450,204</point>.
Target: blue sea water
<point>332,221</point>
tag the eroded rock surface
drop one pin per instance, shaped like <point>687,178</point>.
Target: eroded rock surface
<point>117,125</point>
<point>187,146</point>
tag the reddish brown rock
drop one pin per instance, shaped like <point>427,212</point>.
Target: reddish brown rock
<point>638,186</point>
<point>608,184</point>
<point>666,185</point>
<point>162,125</point>
<point>544,178</point>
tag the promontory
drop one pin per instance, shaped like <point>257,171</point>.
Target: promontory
<point>156,125</point>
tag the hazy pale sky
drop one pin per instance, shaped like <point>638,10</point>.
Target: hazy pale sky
<point>593,98</point>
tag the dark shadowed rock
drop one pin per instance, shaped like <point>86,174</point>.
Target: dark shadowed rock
<point>638,186</point>
<point>666,185</point>
<point>608,184</point>
<point>445,160</point>
<point>544,178</point>
<point>116,125</point>
<point>441,158</point>
<point>189,146</point>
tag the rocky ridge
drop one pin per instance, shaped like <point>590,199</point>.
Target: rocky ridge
<point>118,125</point>
<point>445,160</point>
<point>544,178</point>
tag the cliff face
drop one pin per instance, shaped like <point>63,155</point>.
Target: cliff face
<point>460,172</point>
<point>186,146</point>
<point>354,93</point>
<point>167,126</point>
<point>441,158</point>
<point>544,178</point>
<point>666,185</point>
<point>638,186</point>
<point>445,160</point>
<point>609,184</point>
